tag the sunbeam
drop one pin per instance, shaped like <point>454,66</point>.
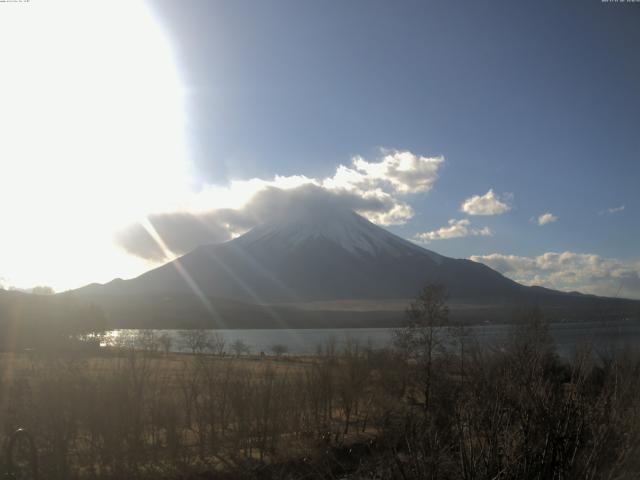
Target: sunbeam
<point>185,275</point>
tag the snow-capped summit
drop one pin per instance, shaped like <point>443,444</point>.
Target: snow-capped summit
<point>343,227</point>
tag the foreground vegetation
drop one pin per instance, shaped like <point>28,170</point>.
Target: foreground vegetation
<point>427,407</point>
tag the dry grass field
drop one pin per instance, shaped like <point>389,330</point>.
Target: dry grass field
<point>421,408</point>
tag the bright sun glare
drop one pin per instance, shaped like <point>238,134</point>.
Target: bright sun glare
<point>92,137</point>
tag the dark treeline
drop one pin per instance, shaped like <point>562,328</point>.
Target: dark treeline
<point>45,321</point>
<point>429,406</point>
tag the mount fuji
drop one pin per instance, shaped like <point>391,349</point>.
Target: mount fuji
<point>310,254</point>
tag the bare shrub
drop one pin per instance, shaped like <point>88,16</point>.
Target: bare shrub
<point>196,340</point>
<point>217,344</point>
<point>240,348</point>
<point>279,349</point>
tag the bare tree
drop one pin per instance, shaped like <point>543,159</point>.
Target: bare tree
<point>42,290</point>
<point>165,341</point>
<point>217,344</point>
<point>424,333</point>
<point>196,340</point>
<point>148,341</point>
<point>279,349</point>
<point>239,347</point>
<point>352,376</point>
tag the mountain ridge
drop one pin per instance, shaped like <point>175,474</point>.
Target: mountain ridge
<point>326,255</point>
<point>320,257</point>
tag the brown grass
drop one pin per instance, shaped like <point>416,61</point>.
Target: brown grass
<point>407,412</point>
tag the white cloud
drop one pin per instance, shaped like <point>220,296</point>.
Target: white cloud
<point>386,180</point>
<point>611,211</point>
<point>547,218</point>
<point>455,229</point>
<point>487,204</point>
<point>568,271</point>
<point>218,213</point>
<point>398,172</point>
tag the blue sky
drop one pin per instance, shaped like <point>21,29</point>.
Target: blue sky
<point>538,101</point>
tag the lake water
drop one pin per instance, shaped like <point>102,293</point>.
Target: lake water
<point>603,335</point>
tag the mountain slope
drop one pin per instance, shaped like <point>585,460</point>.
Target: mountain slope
<point>317,255</point>
<point>293,270</point>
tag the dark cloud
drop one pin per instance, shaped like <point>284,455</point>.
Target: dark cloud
<point>184,231</point>
<point>274,204</point>
<point>181,232</point>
